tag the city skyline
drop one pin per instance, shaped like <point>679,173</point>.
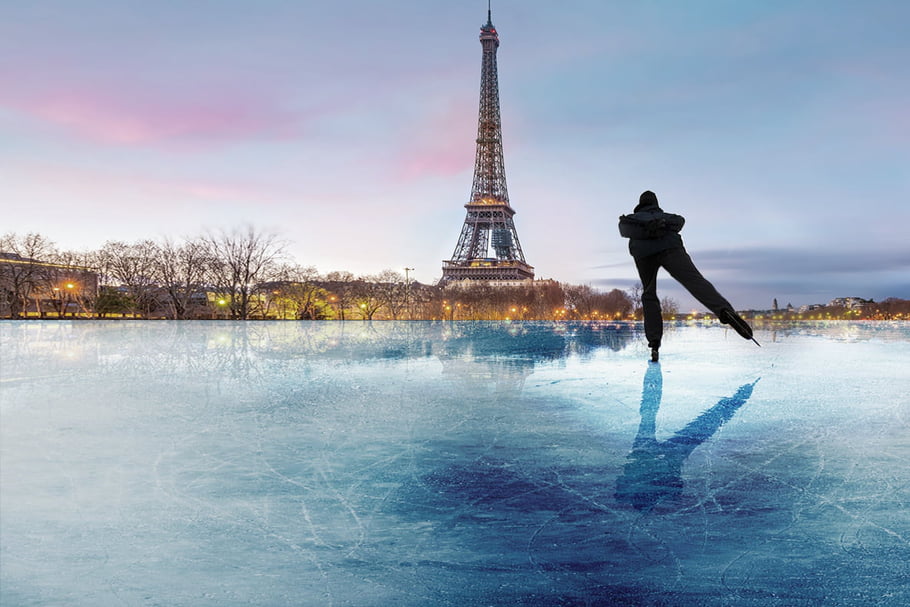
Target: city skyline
<point>779,130</point>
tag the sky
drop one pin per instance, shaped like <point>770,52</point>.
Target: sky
<point>779,129</point>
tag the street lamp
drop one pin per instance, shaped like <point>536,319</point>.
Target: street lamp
<point>69,295</point>
<point>218,310</point>
<point>339,309</point>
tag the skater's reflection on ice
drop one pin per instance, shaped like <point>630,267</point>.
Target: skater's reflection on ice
<point>653,471</point>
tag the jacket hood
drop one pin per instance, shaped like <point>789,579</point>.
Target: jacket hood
<point>647,201</point>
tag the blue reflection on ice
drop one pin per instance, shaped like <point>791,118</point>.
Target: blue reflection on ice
<point>654,469</point>
<point>215,463</point>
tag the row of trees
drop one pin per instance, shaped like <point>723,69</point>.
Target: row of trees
<point>246,274</point>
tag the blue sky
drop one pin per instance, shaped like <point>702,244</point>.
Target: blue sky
<point>780,131</point>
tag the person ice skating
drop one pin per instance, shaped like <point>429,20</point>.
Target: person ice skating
<point>655,243</point>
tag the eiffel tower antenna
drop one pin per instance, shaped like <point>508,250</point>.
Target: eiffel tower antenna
<point>488,247</point>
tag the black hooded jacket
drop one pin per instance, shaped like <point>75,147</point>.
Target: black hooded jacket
<point>649,229</point>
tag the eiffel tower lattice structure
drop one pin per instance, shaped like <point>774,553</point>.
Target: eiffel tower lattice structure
<point>488,248</point>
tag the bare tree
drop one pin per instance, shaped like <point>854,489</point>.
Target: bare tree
<point>239,261</point>
<point>635,292</point>
<point>131,267</point>
<point>892,307</point>
<point>549,300</point>
<point>393,292</point>
<point>22,273</point>
<point>465,302</point>
<point>581,300</point>
<point>77,281</point>
<point>669,307</point>
<point>616,304</point>
<point>297,295</point>
<point>367,296</point>
<point>340,285</point>
<point>180,270</point>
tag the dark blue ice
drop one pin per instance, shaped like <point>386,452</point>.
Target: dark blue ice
<point>453,464</point>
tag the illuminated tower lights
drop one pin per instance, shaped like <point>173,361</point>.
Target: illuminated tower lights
<point>488,247</point>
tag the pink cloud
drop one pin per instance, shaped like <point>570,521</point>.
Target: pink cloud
<point>85,184</point>
<point>131,118</point>
<point>441,145</point>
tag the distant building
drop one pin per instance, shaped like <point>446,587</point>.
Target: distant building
<point>851,303</point>
<point>467,283</point>
<point>35,287</point>
<point>848,303</point>
<point>810,308</point>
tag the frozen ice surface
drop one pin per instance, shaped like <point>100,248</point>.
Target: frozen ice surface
<point>452,464</point>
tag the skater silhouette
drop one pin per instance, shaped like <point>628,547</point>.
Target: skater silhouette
<point>653,471</point>
<point>655,243</point>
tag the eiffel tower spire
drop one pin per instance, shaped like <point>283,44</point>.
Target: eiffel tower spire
<point>488,247</point>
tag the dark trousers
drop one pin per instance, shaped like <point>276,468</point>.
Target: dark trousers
<point>679,265</point>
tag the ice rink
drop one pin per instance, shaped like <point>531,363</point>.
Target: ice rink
<point>458,464</point>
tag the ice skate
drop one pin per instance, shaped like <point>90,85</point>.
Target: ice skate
<point>729,317</point>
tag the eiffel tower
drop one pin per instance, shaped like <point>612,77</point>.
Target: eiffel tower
<point>488,248</point>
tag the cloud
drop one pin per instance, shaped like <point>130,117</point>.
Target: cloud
<point>169,193</point>
<point>753,277</point>
<point>128,118</point>
<point>795,261</point>
<point>439,144</point>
